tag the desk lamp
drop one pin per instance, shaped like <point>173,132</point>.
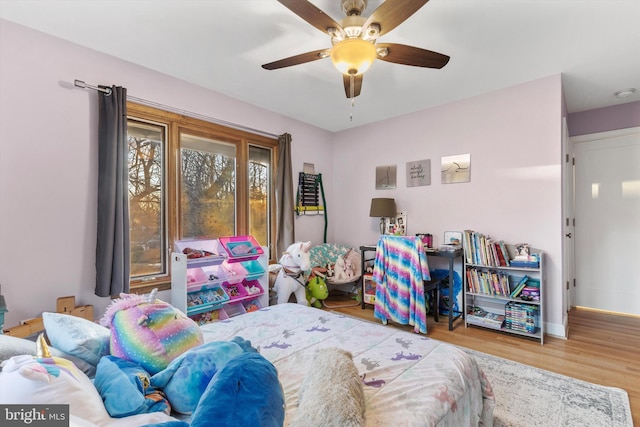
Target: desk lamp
<point>383,208</point>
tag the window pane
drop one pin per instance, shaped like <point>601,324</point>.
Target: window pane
<point>259,193</point>
<point>208,190</point>
<point>146,202</point>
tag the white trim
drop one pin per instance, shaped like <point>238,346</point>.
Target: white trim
<point>605,135</point>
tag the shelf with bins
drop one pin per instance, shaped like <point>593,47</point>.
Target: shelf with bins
<point>225,278</point>
<point>490,301</point>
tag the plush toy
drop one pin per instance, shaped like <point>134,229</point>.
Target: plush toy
<point>245,393</point>
<point>340,272</point>
<point>148,331</point>
<point>294,263</point>
<point>316,291</point>
<point>126,388</point>
<point>46,380</point>
<point>348,268</point>
<point>187,376</point>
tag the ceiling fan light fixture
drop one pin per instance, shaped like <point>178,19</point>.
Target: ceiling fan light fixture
<point>353,56</point>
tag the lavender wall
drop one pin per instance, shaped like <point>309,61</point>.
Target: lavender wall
<point>48,161</point>
<point>620,116</point>
<point>514,138</point>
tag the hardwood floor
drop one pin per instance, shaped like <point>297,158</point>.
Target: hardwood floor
<point>602,348</point>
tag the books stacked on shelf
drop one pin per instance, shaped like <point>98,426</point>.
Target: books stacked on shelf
<point>483,250</point>
<point>478,315</point>
<point>531,292</point>
<point>487,282</point>
<point>521,317</point>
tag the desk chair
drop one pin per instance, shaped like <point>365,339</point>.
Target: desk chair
<point>432,288</point>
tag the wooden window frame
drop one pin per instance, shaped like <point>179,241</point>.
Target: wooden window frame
<point>176,123</point>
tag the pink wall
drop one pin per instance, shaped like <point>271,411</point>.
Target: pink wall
<point>48,152</point>
<point>620,116</point>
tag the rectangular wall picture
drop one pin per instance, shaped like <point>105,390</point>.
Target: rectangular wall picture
<point>385,177</point>
<point>419,173</point>
<point>456,169</point>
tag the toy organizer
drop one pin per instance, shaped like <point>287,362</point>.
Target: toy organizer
<point>213,280</point>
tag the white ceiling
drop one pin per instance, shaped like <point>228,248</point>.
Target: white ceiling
<point>221,44</point>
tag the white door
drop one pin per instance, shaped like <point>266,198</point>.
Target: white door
<point>607,229</point>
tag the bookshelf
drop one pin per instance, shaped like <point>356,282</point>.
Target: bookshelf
<point>501,293</point>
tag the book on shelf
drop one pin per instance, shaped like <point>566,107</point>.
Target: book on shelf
<point>478,314</point>
<point>480,249</point>
<point>519,286</point>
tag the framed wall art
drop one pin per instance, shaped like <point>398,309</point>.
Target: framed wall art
<point>419,173</point>
<point>385,177</point>
<point>456,169</point>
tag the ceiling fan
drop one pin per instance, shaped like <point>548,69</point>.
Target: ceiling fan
<point>354,39</point>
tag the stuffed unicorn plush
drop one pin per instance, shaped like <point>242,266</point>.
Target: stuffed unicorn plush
<point>293,264</point>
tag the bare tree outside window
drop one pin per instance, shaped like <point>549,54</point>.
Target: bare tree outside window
<point>145,198</point>
<point>191,179</point>
<point>208,194</point>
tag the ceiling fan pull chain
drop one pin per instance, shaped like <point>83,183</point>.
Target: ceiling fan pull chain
<point>353,98</point>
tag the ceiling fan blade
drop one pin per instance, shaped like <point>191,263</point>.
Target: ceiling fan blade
<point>310,13</point>
<point>392,13</point>
<point>357,84</point>
<point>409,55</point>
<point>297,59</point>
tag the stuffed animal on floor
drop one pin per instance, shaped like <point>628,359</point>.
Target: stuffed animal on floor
<point>188,375</point>
<point>246,392</point>
<point>149,331</point>
<point>291,277</point>
<point>317,291</point>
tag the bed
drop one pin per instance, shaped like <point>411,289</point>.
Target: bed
<point>409,379</point>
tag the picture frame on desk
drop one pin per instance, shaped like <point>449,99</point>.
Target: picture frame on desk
<point>453,238</point>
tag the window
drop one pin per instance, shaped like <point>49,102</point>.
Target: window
<point>190,179</point>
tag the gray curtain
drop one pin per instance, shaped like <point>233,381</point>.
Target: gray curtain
<point>285,234</point>
<point>112,245</point>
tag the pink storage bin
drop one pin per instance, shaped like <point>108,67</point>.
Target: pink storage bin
<point>252,288</point>
<point>232,272</point>
<point>235,290</point>
<point>209,316</point>
<point>234,309</point>
<point>241,248</point>
<point>196,276</point>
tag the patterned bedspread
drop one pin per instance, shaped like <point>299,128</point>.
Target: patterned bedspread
<point>409,379</point>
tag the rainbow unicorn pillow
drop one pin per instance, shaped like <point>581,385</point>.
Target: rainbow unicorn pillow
<point>149,331</point>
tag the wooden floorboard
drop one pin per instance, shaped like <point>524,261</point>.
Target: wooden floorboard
<point>601,348</point>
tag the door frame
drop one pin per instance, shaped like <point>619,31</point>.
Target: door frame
<point>568,222</point>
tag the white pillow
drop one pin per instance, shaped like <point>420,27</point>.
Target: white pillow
<point>42,381</point>
<point>27,380</point>
<point>79,337</point>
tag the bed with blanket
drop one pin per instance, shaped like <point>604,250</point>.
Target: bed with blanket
<point>408,379</point>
